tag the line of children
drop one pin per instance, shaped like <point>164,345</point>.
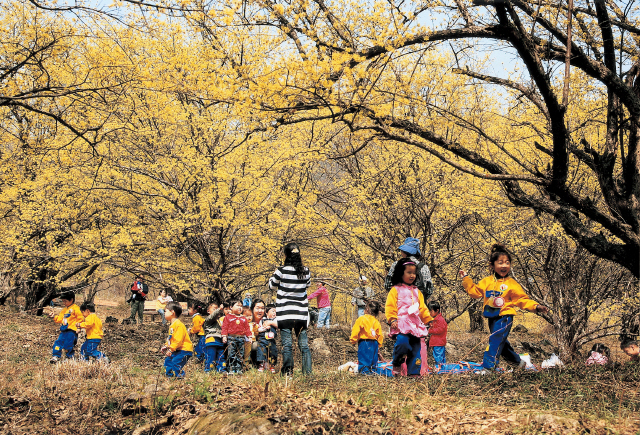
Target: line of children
<point>367,332</point>
<point>196,311</point>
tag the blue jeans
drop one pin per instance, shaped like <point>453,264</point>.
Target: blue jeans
<point>407,347</point>
<point>498,343</point>
<point>324,317</point>
<point>267,350</point>
<point>214,357</point>
<point>173,364</point>
<point>439,355</point>
<point>198,349</point>
<point>161,311</point>
<point>235,347</point>
<point>287,350</point>
<point>66,341</point>
<point>367,357</point>
<point>90,349</point>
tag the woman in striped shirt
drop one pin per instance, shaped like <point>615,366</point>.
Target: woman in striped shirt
<point>292,307</point>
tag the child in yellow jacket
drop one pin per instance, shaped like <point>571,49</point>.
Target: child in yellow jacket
<point>179,348</point>
<point>367,332</point>
<point>68,319</point>
<point>502,295</point>
<point>195,311</point>
<point>93,326</point>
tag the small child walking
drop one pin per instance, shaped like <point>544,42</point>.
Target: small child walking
<point>407,315</point>
<point>367,332</point>
<point>437,334</point>
<point>195,311</point>
<point>502,295</point>
<point>235,332</point>
<point>214,347</point>
<point>93,326</point>
<point>68,318</point>
<point>179,348</point>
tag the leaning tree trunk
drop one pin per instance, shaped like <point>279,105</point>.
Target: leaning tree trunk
<point>476,321</point>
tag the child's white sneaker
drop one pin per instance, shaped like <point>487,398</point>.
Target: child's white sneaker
<point>261,367</point>
<point>54,359</point>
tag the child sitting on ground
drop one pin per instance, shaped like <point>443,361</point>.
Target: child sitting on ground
<point>437,334</point>
<point>195,311</point>
<point>69,317</point>
<point>214,347</point>
<point>407,315</point>
<point>632,349</point>
<point>93,326</point>
<point>367,332</point>
<point>179,348</point>
<point>599,355</point>
<point>235,332</point>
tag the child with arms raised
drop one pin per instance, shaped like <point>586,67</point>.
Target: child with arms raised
<point>179,348</point>
<point>68,318</point>
<point>367,332</point>
<point>407,315</point>
<point>93,325</point>
<point>502,295</point>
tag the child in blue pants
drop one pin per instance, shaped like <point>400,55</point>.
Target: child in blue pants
<point>214,347</point>
<point>68,318</point>
<point>179,348</point>
<point>367,332</point>
<point>502,295</point>
<point>93,325</point>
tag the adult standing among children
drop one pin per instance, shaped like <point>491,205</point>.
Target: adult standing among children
<point>324,305</point>
<point>361,295</point>
<point>292,307</point>
<point>139,291</point>
<point>410,248</point>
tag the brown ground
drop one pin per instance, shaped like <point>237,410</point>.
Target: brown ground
<point>131,395</point>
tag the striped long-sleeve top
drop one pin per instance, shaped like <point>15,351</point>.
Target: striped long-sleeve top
<point>292,306</point>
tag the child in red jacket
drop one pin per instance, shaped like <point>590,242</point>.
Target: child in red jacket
<point>437,334</point>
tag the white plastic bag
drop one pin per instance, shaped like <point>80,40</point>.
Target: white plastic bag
<point>349,367</point>
<point>553,361</point>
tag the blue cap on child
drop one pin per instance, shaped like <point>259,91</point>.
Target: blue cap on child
<point>411,246</point>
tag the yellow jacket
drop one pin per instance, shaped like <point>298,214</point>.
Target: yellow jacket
<point>178,337</point>
<point>501,296</point>
<point>74,316</point>
<point>367,327</point>
<point>93,325</point>
<point>196,327</point>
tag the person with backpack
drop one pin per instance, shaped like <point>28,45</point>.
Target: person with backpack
<point>139,291</point>
<point>410,248</point>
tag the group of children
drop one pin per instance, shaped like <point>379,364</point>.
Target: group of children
<point>229,332</point>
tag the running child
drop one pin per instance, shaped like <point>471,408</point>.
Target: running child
<point>235,331</point>
<point>437,334</point>
<point>502,295</point>
<point>196,311</point>
<point>214,347</point>
<point>68,318</point>
<point>179,348</point>
<point>367,332</point>
<point>93,326</point>
<point>406,314</point>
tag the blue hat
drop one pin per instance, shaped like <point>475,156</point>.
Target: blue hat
<point>411,246</point>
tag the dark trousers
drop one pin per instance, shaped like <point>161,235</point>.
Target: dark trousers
<point>198,349</point>
<point>214,357</point>
<point>90,349</point>
<point>407,347</point>
<point>66,341</point>
<point>499,345</point>
<point>173,364</point>
<point>267,350</point>
<point>137,307</point>
<point>235,348</point>
<point>367,357</point>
